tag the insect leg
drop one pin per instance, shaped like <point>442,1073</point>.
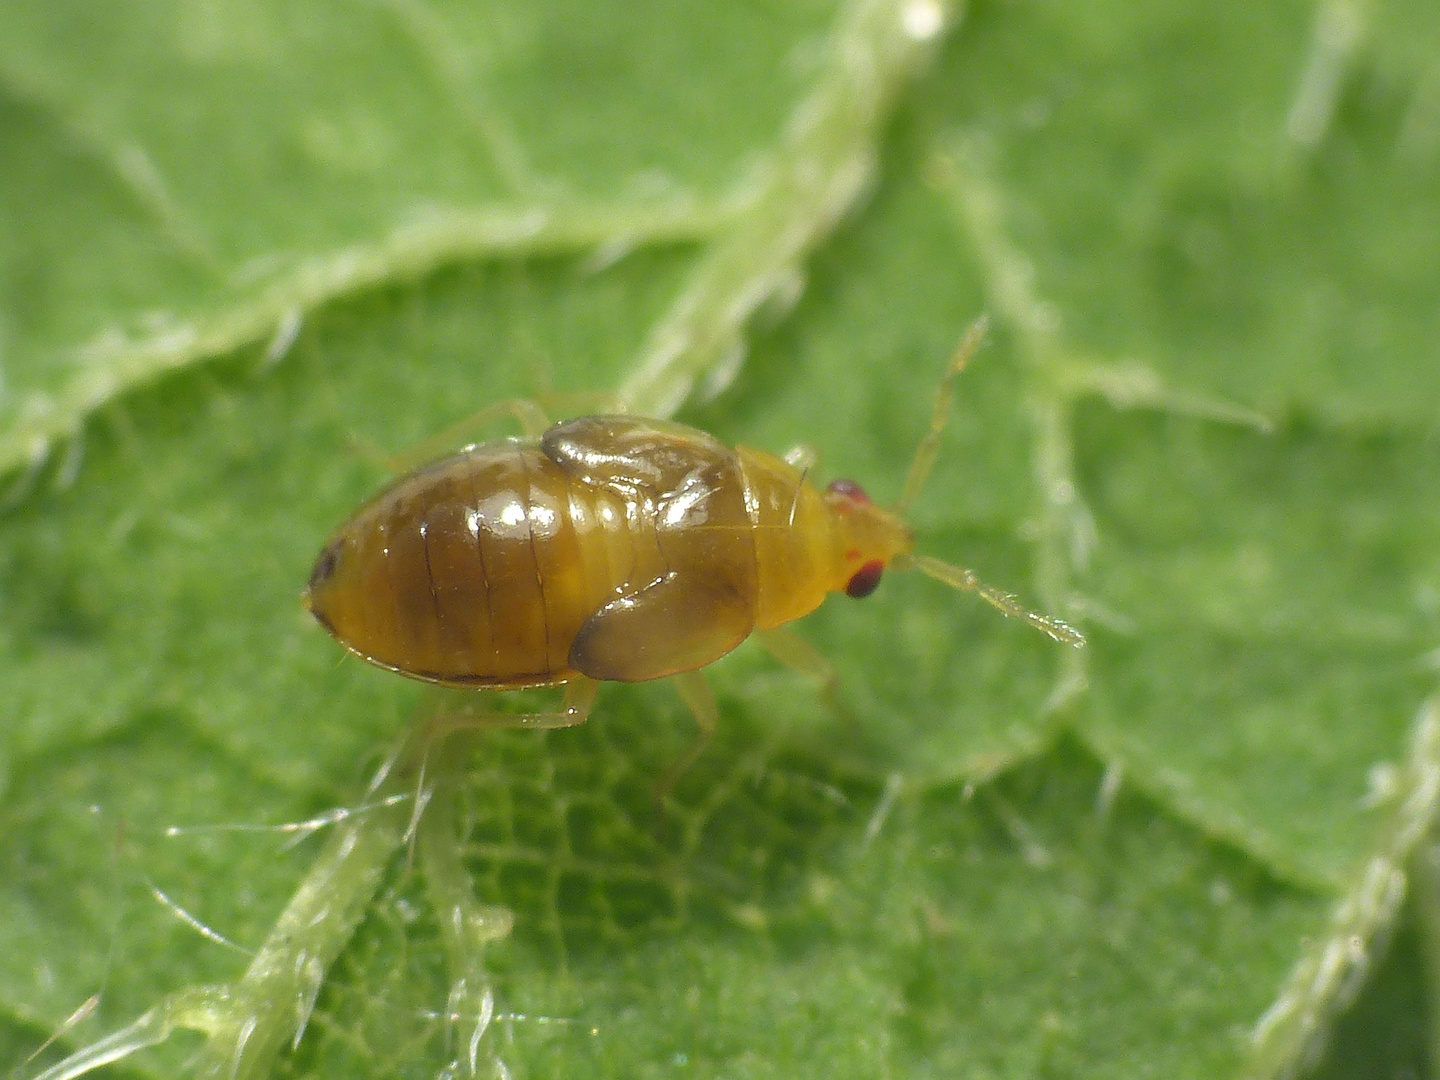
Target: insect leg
<point>530,416</point>
<point>695,691</point>
<point>579,696</point>
<point>580,402</point>
<point>533,416</point>
<point>792,650</point>
<point>431,735</point>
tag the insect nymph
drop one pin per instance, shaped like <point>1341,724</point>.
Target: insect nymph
<point>612,548</point>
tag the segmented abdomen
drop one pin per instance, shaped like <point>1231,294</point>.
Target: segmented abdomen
<point>479,570</point>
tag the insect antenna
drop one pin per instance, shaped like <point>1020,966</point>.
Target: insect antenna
<point>929,448</point>
<point>957,577</point>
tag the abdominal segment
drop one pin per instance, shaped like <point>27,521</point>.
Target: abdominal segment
<point>466,573</point>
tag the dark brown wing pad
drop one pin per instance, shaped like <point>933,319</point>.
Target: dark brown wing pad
<point>692,489</point>
<point>676,624</point>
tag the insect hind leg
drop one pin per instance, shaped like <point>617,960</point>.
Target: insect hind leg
<point>533,415</point>
<point>432,734</point>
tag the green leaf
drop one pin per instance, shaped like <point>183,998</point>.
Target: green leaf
<point>241,244</point>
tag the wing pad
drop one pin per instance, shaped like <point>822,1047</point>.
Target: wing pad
<point>693,491</point>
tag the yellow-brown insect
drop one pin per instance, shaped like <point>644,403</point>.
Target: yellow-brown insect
<point>611,548</point>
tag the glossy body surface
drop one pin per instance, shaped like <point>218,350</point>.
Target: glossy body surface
<point>610,548</point>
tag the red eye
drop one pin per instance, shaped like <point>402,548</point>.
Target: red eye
<point>865,580</point>
<point>848,488</point>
